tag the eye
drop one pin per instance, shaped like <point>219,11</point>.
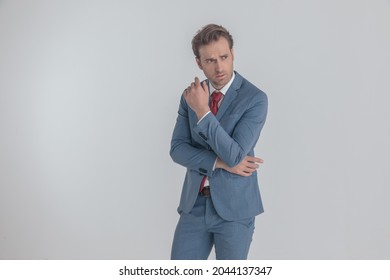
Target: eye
<point>209,61</point>
<point>224,57</point>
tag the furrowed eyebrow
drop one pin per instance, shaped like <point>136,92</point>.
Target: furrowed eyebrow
<point>213,59</point>
<point>210,59</point>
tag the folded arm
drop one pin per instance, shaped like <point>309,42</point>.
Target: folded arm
<point>232,149</point>
<point>245,168</point>
<point>225,151</point>
<point>184,150</point>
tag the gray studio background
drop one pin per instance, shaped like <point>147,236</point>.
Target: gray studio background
<point>89,92</point>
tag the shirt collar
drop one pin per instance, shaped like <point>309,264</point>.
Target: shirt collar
<point>225,88</point>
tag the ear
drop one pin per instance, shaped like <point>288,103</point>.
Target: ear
<point>232,51</point>
<point>199,63</point>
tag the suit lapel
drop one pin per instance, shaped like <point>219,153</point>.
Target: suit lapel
<point>230,95</point>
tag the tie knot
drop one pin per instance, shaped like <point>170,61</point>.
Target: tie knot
<point>216,96</point>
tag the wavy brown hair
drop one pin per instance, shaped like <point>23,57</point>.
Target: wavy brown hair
<point>208,34</point>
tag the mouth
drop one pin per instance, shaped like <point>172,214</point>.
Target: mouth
<point>220,76</point>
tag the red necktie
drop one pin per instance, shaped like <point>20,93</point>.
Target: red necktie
<point>215,98</point>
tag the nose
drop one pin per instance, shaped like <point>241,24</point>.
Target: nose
<point>218,67</point>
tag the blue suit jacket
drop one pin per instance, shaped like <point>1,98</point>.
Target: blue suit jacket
<point>230,135</point>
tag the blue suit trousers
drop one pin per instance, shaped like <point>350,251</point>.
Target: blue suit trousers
<point>201,229</point>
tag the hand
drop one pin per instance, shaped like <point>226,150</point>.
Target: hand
<point>197,97</point>
<point>245,168</point>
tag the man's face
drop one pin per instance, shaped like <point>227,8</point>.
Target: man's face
<point>216,61</point>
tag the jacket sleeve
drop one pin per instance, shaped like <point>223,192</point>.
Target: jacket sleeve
<point>233,148</point>
<point>183,149</point>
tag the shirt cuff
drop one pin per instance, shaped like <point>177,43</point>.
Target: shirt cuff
<point>215,162</point>
<point>203,117</point>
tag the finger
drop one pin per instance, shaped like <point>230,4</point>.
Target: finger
<point>252,166</point>
<point>197,82</point>
<point>205,87</point>
<point>245,170</point>
<point>254,159</point>
<point>246,174</point>
<point>187,92</point>
<point>249,167</point>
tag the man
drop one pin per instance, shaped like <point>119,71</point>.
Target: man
<point>214,138</point>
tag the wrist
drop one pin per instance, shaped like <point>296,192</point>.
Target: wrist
<point>220,164</point>
<point>201,113</point>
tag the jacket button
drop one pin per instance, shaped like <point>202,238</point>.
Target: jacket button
<point>202,135</point>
